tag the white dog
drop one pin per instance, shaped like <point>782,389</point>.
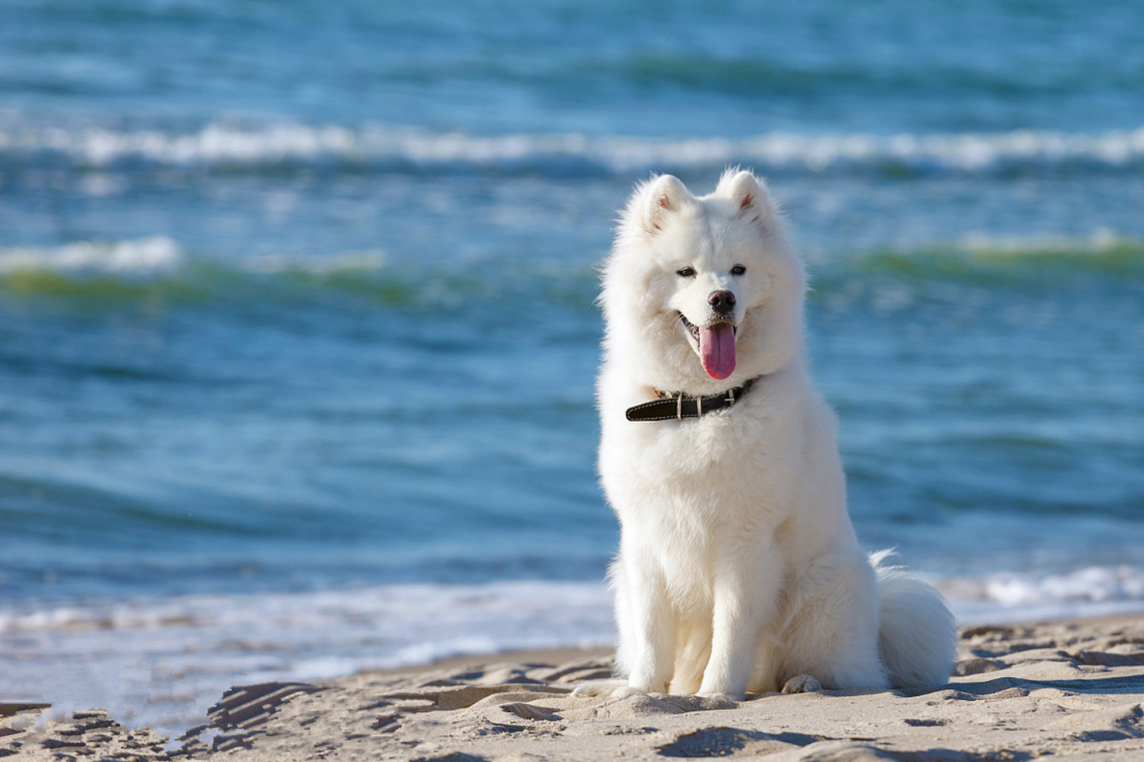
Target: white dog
<point>738,566</point>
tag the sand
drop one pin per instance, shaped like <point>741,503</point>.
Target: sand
<point>1071,689</point>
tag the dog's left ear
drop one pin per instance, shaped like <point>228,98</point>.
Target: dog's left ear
<point>749,197</point>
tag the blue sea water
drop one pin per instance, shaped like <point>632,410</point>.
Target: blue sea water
<point>298,332</point>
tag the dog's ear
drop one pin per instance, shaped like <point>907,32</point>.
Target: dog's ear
<point>653,201</point>
<point>749,197</point>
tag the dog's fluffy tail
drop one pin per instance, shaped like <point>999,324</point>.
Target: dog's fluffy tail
<point>917,634</point>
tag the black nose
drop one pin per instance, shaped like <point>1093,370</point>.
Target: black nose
<point>722,302</point>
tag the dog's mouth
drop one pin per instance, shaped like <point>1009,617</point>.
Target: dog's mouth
<point>715,345</point>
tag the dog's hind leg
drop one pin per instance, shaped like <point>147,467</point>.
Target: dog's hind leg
<point>831,640</point>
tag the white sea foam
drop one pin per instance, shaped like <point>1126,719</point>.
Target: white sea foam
<point>1099,240</point>
<point>1089,591</point>
<point>236,146</point>
<point>160,255</point>
<point>169,659</point>
<point>146,256</point>
<point>359,261</point>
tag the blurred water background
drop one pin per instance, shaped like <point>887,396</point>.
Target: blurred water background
<point>297,332</point>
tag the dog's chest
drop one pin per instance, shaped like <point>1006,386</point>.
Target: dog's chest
<point>690,550</point>
<point>730,454</point>
<point>693,487</point>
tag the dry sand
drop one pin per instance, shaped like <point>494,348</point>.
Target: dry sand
<point>1068,689</point>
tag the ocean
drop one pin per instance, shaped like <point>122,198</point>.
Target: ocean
<point>298,329</point>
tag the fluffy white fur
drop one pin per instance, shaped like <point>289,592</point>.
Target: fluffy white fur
<point>738,566</point>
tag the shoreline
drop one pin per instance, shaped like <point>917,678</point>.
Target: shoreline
<point>162,663</point>
<point>1072,688</point>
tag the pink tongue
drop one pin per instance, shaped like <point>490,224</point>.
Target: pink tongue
<point>717,350</point>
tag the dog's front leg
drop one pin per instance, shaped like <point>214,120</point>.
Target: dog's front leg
<point>745,599</point>
<point>651,625</point>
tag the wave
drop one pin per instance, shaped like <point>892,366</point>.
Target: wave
<point>373,148</point>
<point>158,270</point>
<point>1012,596</point>
<point>553,607</point>
<point>145,256</point>
<point>986,259</point>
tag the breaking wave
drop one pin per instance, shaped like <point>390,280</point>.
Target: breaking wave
<point>146,256</point>
<point>375,148</point>
<point>984,259</point>
<point>159,268</point>
<point>1011,596</point>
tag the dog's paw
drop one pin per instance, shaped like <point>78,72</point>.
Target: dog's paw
<point>600,687</point>
<point>802,684</point>
<point>626,690</point>
<point>719,695</point>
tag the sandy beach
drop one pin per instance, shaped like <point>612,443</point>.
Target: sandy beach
<point>1071,689</point>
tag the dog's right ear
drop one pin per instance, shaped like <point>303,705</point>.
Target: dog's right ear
<point>652,202</point>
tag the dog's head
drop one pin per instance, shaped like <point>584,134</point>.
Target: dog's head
<point>702,292</point>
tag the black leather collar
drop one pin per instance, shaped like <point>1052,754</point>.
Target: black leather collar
<point>677,406</point>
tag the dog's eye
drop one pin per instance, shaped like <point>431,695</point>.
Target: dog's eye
<point>686,272</point>
<point>738,270</point>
